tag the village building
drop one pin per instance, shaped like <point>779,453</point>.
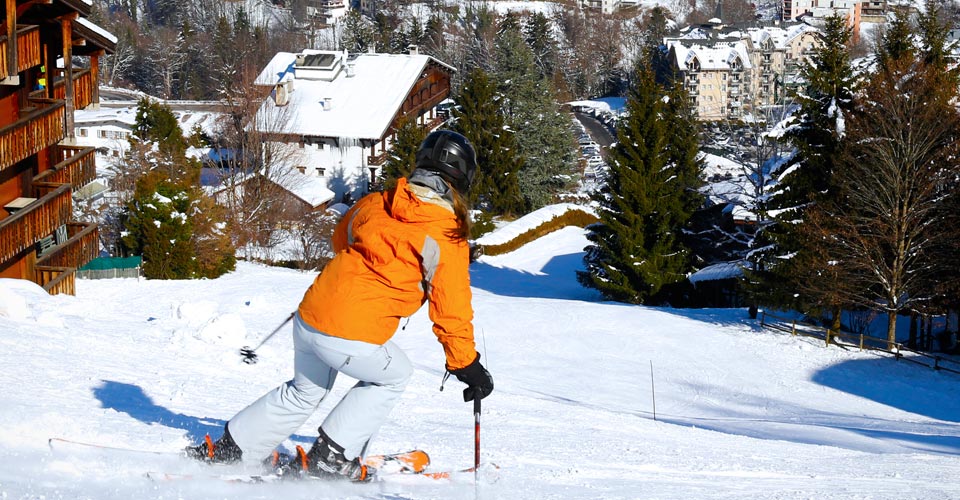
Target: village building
<point>42,162</point>
<point>608,6</point>
<point>334,115</point>
<point>733,71</point>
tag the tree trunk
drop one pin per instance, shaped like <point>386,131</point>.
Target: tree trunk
<point>891,328</point>
<point>912,339</point>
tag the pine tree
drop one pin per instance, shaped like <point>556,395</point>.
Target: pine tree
<point>403,152</point>
<point>825,103</point>
<point>479,118</point>
<point>683,154</point>
<point>896,41</point>
<point>159,230</point>
<point>357,34</point>
<point>177,229</point>
<point>538,35</point>
<point>635,249</point>
<point>531,110</point>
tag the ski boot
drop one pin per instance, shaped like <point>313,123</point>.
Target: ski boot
<point>326,460</point>
<point>223,451</point>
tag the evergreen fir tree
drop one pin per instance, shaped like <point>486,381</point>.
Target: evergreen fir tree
<point>896,41</point>
<point>543,133</point>
<point>497,185</point>
<point>635,248</point>
<point>825,101</point>
<point>538,35</point>
<point>159,230</point>
<point>683,153</point>
<point>357,34</point>
<point>403,153</point>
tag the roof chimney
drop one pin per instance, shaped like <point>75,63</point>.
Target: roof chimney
<point>413,50</point>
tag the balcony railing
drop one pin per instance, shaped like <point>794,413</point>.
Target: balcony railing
<point>57,280</point>
<point>32,133</point>
<point>77,167</point>
<point>40,218</point>
<point>82,246</point>
<point>377,160</point>
<point>82,88</point>
<point>28,50</point>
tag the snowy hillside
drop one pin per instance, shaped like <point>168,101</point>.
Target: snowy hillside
<point>740,412</point>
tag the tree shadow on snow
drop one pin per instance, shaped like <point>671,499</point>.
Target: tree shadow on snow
<point>765,417</point>
<point>914,389</point>
<point>557,280</point>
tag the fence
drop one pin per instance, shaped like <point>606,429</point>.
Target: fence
<point>863,341</point>
<point>111,267</point>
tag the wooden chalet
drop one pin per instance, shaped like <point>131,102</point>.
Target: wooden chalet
<point>40,163</point>
<point>338,113</point>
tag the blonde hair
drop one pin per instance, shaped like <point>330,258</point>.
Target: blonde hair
<point>461,208</point>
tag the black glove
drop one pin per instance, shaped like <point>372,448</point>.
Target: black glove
<point>477,378</point>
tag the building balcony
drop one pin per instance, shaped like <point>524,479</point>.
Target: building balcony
<point>28,50</point>
<point>37,129</point>
<point>35,220</point>
<point>82,89</point>
<point>76,166</point>
<point>76,244</point>
<point>378,159</point>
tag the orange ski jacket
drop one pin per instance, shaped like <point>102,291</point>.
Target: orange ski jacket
<point>392,255</point>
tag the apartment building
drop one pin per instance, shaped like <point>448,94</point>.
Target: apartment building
<point>41,162</point>
<point>733,71</point>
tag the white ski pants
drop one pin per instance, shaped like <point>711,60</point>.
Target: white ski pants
<point>382,372</point>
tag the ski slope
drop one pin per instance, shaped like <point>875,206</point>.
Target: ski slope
<point>740,412</point>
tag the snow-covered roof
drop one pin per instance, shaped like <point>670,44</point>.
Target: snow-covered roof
<point>721,271</point>
<point>100,31</point>
<point>310,188</point>
<point>357,100</point>
<point>711,58</point>
<point>126,117</point>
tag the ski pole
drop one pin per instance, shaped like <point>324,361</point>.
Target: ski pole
<point>250,355</point>
<point>476,437</point>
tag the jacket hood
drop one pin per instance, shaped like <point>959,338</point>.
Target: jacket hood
<point>416,203</point>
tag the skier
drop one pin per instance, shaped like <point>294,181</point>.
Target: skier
<point>395,251</point>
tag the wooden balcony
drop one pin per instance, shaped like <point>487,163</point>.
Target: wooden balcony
<point>22,230</point>
<point>57,280</point>
<point>28,50</point>
<point>82,89</point>
<point>82,246</point>
<point>377,160</point>
<point>76,166</point>
<point>33,132</point>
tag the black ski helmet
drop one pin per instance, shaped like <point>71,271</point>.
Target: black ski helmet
<point>451,155</point>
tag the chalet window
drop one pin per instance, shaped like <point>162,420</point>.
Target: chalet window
<point>321,171</point>
<point>102,134</point>
<point>302,170</point>
<point>81,132</point>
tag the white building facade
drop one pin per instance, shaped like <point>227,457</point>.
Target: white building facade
<point>334,115</point>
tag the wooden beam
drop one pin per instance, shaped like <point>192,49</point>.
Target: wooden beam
<point>95,74</point>
<point>11,6</point>
<point>66,26</point>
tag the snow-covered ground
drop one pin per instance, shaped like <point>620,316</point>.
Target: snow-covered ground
<point>592,400</point>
